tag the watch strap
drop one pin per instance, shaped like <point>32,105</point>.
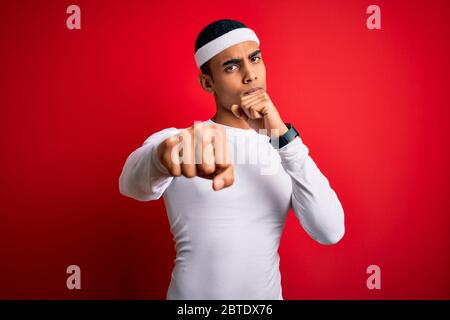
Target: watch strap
<point>284,139</point>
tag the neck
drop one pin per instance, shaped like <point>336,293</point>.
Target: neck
<point>227,118</point>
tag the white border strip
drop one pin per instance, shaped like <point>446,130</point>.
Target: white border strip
<point>223,42</point>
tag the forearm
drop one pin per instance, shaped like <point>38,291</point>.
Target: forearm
<point>143,177</point>
<point>314,202</point>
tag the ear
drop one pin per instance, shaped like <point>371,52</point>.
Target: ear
<point>206,82</point>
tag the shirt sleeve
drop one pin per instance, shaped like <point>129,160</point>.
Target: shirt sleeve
<point>143,176</point>
<point>314,202</point>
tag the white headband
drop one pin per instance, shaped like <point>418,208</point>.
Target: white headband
<point>223,42</point>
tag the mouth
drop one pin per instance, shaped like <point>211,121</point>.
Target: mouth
<point>252,90</point>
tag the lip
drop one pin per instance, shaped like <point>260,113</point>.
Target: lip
<point>252,90</point>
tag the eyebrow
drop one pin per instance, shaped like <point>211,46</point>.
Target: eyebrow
<point>238,60</point>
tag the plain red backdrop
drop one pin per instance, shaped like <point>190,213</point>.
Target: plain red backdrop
<point>371,105</point>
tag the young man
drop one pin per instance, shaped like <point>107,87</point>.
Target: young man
<point>228,184</point>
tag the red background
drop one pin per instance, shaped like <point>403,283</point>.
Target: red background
<point>371,105</point>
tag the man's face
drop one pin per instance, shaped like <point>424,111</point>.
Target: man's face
<point>235,71</point>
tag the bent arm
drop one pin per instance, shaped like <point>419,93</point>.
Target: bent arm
<point>314,202</point>
<point>143,176</point>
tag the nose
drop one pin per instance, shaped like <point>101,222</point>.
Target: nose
<point>249,73</point>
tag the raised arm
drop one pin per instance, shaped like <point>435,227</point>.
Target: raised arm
<point>143,177</point>
<point>150,169</point>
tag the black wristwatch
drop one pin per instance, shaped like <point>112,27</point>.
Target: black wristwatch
<point>284,139</point>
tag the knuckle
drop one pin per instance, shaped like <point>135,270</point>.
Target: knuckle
<point>189,173</point>
<point>231,179</point>
<point>207,169</point>
<point>174,171</point>
<point>165,163</point>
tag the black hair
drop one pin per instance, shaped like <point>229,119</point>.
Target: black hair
<point>212,31</point>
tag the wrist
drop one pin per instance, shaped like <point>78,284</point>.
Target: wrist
<point>275,125</point>
<point>282,140</point>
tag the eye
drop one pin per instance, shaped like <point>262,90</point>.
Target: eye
<point>229,69</point>
<point>256,57</point>
<point>233,67</point>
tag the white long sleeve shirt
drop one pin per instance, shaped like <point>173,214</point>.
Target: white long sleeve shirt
<point>227,241</point>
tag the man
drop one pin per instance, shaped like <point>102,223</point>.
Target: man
<point>229,182</point>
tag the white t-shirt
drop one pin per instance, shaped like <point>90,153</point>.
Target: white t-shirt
<point>227,241</point>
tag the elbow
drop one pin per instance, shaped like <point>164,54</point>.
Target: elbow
<point>126,191</point>
<point>129,190</point>
<point>332,237</point>
<point>333,232</point>
<point>123,189</point>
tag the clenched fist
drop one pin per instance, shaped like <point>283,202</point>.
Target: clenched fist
<point>260,113</point>
<point>201,150</point>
